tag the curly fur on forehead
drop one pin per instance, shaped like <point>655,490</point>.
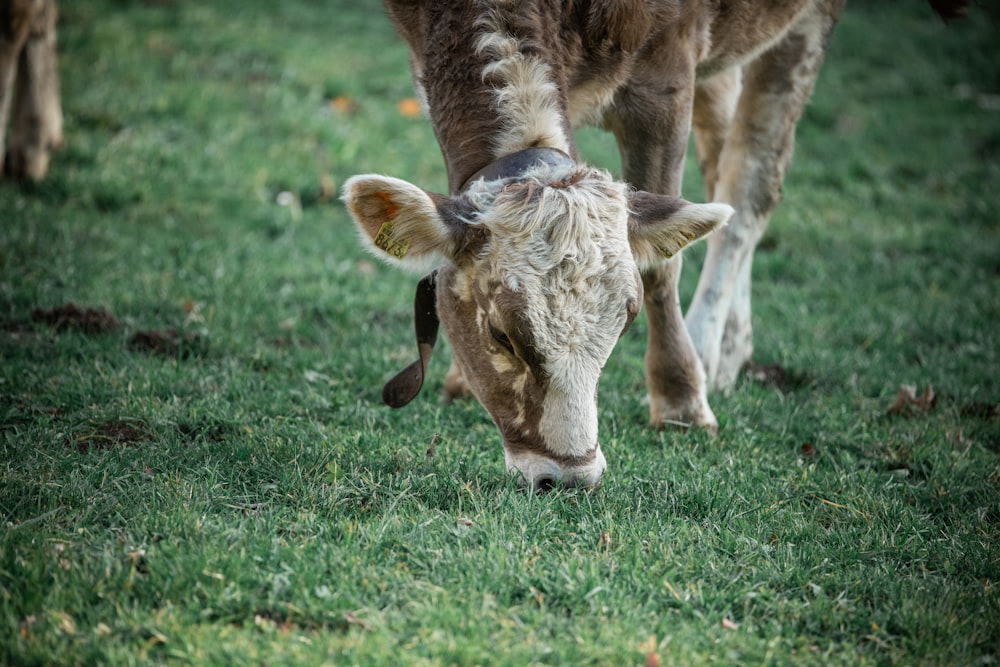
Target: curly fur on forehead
<point>559,238</point>
<point>554,214</point>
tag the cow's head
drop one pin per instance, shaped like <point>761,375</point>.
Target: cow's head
<point>538,278</point>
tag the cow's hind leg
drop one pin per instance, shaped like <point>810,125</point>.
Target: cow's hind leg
<point>749,169</point>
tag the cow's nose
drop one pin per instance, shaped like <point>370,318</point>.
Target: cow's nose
<point>544,483</point>
<point>542,474</point>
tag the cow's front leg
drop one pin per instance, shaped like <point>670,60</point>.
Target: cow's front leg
<point>651,120</point>
<point>674,377</point>
<point>750,168</point>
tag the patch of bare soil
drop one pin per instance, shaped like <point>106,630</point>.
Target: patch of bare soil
<point>111,434</point>
<point>168,342</point>
<point>775,375</point>
<point>982,411</point>
<point>71,317</point>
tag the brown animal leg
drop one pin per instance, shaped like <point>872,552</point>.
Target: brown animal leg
<point>750,169</point>
<point>37,123</point>
<point>714,106</point>
<point>15,24</point>
<point>651,126</point>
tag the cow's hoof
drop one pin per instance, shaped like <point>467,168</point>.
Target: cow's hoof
<point>666,415</point>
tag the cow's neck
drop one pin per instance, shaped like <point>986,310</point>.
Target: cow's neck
<point>491,96</point>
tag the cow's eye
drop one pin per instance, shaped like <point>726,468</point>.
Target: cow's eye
<point>501,338</point>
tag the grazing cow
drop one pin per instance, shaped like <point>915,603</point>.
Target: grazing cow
<point>544,260</point>
<point>29,87</point>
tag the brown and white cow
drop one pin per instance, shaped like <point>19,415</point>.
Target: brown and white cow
<point>29,87</point>
<point>544,260</point>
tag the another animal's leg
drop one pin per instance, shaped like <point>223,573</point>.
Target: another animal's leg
<point>15,23</point>
<point>751,168</point>
<point>678,393</point>
<point>651,125</point>
<point>37,124</point>
<point>714,105</point>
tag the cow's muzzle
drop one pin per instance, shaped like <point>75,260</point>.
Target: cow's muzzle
<point>541,473</point>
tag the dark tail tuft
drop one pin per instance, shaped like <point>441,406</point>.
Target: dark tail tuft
<point>950,9</point>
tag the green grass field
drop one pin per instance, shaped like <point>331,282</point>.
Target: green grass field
<point>200,470</point>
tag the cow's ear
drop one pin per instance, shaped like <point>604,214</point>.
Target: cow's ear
<point>660,225</point>
<point>400,222</point>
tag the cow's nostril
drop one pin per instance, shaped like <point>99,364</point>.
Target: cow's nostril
<point>544,483</point>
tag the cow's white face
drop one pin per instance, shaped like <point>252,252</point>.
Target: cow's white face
<point>539,280</point>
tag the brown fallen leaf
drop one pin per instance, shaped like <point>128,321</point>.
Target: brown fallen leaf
<point>605,541</point>
<point>409,107</point>
<point>908,402</point>
<point>729,624</point>
<point>648,648</point>
<point>327,187</point>
<point>354,620</point>
<point>343,104</point>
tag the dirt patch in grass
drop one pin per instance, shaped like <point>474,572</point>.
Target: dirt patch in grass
<point>71,317</point>
<point>110,434</point>
<point>775,375</point>
<point>168,342</point>
<point>984,411</point>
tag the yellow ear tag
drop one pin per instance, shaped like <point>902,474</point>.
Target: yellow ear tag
<point>384,240</point>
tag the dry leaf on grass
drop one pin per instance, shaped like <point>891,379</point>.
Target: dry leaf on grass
<point>409,107</point>
<point>343,104</point>
<point>352,619</point>
<point>327,187</point>
<point>648,648</point>
<point>605,540</point>
<point>908,402</point>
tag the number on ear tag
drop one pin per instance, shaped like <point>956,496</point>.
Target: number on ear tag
<point>384,240</point>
